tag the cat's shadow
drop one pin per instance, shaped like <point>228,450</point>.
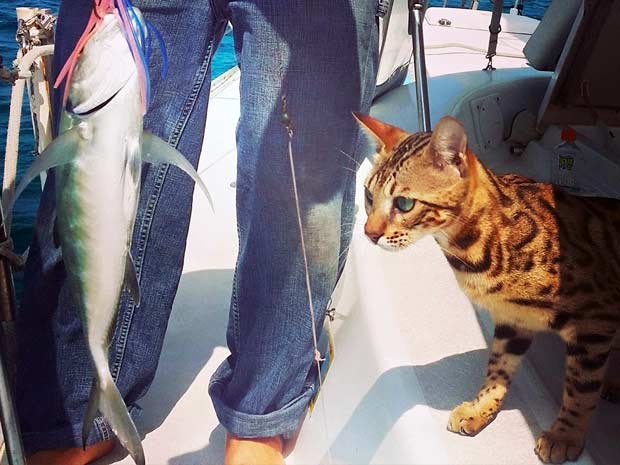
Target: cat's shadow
<point>445,384</point>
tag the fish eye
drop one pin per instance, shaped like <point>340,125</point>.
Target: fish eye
<point>368,195</point>
<point>404,204</point>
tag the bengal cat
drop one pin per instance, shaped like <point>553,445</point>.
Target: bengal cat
<point>537,258</point>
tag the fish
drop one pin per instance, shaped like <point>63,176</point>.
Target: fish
<point>97,160</point>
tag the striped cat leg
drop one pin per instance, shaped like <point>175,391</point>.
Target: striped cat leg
<point>586,359</point>
<point>508,347</point>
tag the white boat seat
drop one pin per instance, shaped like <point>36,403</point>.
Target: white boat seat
<point>544,48</point>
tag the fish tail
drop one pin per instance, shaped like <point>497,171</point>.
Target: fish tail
<point>105,397</point>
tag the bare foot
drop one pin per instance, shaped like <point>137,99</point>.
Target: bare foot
<point>256,451</point>
<point>72,455</point>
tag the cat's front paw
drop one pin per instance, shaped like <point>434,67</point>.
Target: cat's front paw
<point>466,420</point>
<point>557,448</point>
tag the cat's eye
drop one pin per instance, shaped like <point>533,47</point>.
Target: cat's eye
<point>368,195</point>
<point>404,204</point>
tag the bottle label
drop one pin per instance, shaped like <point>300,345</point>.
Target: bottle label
<point>565,173</point>
<point>566,162</point>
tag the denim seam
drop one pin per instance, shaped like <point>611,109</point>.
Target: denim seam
<point>365,72</point>
<point>147,221</point>
<point>102,427</point>
<point>234,305</point>
<point>355,148</point>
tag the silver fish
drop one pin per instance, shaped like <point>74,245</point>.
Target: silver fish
<point>97,159</point>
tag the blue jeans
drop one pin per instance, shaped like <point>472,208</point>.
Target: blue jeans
<point>321,55</point>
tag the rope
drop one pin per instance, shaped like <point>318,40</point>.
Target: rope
<point>12,146</point>
<point>289,131</point>
<point>286,120</point>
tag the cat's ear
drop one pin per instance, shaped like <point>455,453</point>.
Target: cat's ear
<point>386,135</point>
<point>448,145</point>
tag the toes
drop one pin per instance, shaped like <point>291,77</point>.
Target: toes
<point>543,448</point>
<point>553,449</point>
<point>573,452</point>
<point>558,452</point>
<point>465,420</point>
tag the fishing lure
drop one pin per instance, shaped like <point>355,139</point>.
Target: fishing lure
<point>139,41</point>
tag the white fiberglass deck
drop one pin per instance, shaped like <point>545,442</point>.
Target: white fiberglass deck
<point>409,345</point>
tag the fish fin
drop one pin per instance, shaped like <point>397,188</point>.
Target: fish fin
<point>155,150</point>
<point>131,280</point>
<point>91,412</point>
<point>60,151</point>
<point>113,408</point>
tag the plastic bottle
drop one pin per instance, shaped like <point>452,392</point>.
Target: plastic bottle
<point>566,160</point>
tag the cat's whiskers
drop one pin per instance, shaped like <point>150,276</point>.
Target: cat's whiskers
<point>357,163</point>
<point>448,251</point>
<point>349,169</point>
<point>456,218</point>
<point>453,255</point>
<point>344,252</point>
<point>353,232</point>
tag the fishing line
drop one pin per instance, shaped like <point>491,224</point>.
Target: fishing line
<point>152,29</point>
<point>286,120</point>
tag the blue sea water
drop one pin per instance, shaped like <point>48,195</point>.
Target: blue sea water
<point>224,59</point>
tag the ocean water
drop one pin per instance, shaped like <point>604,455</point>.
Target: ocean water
<point>25,210</point>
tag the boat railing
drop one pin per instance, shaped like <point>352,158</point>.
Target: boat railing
<point>32,72</point>
<point>516,9</point>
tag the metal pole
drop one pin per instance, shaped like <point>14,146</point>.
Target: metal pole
<point>416,17</point>
<point>8,416</point>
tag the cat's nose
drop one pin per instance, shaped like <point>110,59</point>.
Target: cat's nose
<point>375,227</point>
<point>373,235</point>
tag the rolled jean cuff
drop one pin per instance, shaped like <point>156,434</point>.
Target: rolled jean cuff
<point>283,422</point>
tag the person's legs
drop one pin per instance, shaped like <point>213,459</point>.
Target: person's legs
<point>54,369</point>
<point>321,56</point>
